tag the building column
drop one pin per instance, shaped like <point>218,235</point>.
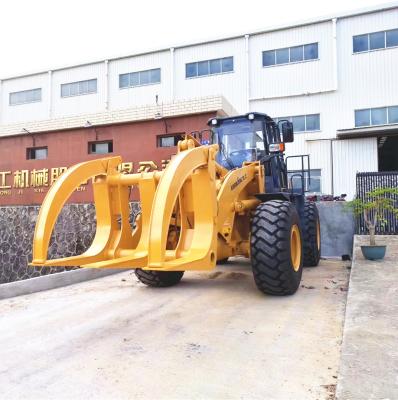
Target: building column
<point>172,65</point>
<point>247,67</point>
<point>106,85</point>
<point>50,94</point>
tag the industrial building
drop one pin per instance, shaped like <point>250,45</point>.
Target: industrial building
<point>334,77</point>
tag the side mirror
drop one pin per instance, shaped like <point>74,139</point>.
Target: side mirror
<point>287,131</point>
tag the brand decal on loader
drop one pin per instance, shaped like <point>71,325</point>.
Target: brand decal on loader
<point>238,181</point>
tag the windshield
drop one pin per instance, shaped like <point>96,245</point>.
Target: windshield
<point>239,140</point>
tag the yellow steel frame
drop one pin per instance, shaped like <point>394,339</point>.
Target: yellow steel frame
<point>212,207</point>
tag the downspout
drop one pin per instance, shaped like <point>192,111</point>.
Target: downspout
<point>334,50</point>
<point>106,85</point>
<point>247,65</point>
<point>335,85</point>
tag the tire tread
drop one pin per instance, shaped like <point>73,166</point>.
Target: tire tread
<point>270,248</point>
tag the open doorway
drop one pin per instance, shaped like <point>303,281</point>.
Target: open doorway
<point>388,153</point>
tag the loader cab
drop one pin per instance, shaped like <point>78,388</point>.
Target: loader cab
<point>253,137</point>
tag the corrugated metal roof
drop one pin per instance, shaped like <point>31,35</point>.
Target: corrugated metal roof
<point>370,131</point>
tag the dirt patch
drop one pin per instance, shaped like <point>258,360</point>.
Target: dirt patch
<point>228,275</point>
<point>214,275</point>
<point>331,391</point>
<point>236,275</point>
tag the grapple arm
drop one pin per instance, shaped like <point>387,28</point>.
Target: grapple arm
<point>188,180</point>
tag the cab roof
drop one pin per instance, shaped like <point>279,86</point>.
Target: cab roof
<point>255,116</point>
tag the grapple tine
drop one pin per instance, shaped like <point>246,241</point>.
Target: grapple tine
<point>55,200</point>
<point>200,243</point>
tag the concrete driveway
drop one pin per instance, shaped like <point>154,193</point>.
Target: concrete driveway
<point>214,336</point>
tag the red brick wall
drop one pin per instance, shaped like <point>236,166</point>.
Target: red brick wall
<point>133,141</point>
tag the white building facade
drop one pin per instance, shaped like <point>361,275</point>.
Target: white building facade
<point>336,78</point>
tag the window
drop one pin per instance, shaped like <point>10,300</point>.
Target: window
<point>303,123</point>
<point>25,96</point>
<point>376,116</point>
<point>392,38</point>
<point>393,115</point>
<point>36,153</point>
<point>79,88</point>
<point>209,67</point>
<point>103,147</point>
<point>362,117</point>
<point>169,140</point>
<point>140,78</point>
<point>375,41</point>
<point>360,43</point>
<point>290,54</point>
<point>312,185</point>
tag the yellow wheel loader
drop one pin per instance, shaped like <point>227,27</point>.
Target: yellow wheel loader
<point>231,196</point>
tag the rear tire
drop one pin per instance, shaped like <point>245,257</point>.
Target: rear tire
<point>311,235</point>
<point>159,278</point>
<point>276,248</point>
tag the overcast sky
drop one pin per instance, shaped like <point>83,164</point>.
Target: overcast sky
<point>43,34</point>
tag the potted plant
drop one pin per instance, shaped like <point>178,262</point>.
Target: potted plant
<point>374,208</point>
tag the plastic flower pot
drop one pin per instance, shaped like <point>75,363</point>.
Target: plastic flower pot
<point>374,252</point>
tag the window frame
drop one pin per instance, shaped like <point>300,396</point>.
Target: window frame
<point>30,150</point>
<point>368,37</point>
<point>290,117</point>
<point>129,74</point>
<point>69,84</point>
<point>95,142</point>
<point>25,102</point>
<point>169,135</point>
<point>290,62</point>
<point>369,110</point>
<point>209,68</point>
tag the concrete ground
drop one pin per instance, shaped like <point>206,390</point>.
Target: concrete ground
<point>369,359</point>
<point>214,336</point>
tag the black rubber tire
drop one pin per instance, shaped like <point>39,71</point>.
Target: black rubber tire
<point>270,248</point>
<point>312,253</point>
<point>159,278</point>
<point>222,261</point>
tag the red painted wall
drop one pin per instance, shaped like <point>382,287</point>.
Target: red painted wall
<point>135,142</point>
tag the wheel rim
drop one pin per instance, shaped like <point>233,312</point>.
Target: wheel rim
<point>295,247</point>
<point>318,235</point>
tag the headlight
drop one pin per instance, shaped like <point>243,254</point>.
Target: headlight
<point>250,116</point>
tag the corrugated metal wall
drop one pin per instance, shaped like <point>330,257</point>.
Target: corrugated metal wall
<point>75,105</point>
<point>367,79</point>
<point>349,157</point>
<point>140,95</point>
<point>296,78</point>
<point>27,112</point>
<point>231,85</point>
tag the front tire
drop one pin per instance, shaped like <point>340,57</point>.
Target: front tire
<point>158,278</point>
<point>276,248</point>
<point>311,235</point>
